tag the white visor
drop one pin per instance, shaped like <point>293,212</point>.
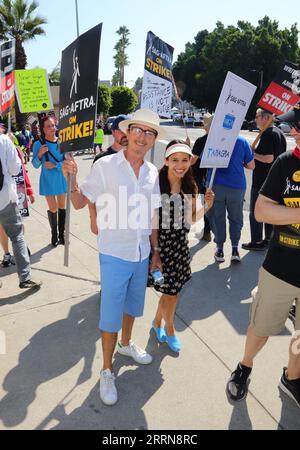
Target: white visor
<point>178,148</point>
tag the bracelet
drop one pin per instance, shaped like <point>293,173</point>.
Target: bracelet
<point>156,249</point>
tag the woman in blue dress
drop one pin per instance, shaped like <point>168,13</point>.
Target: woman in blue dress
<point>53,186</point>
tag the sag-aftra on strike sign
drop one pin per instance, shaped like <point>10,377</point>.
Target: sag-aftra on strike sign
<point>279,97</point>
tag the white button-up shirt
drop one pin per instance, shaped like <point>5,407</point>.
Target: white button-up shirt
<point>11,165</point>
<point>125,205</point>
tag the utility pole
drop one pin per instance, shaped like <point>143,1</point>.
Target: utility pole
<point>77,18</point>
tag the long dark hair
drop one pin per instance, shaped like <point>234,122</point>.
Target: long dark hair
<point>42,121</point>
<point>188,184</point>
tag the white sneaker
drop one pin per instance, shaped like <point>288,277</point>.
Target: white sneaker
<point>136,353</point>
<point>108,391</point>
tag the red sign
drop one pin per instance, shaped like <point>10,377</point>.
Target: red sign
<point>7,92</point>
<point>278,100</point>
<point>279,97</point>
<point>7,67</point>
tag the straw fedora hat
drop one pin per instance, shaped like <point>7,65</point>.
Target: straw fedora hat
<point>144,117</point>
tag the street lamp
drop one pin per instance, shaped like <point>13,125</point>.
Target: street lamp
<point>77,18</point>
<point>261,72</point>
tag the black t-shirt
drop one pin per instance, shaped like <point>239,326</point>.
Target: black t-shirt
<point>108,151</point>
<point>283,186</point>
<point>199,174</point>
<point>272,142</point>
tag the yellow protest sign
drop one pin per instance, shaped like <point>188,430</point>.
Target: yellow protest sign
<point>33,90</point>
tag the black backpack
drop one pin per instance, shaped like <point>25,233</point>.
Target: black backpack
<point>1,176</point>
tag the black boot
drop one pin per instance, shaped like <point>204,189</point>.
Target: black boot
<point>61,225</point>
<point>53,225</point>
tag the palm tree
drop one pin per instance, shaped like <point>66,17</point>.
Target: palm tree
<point>54,75</point>
<point>18,21</point>
<point>121,59</point>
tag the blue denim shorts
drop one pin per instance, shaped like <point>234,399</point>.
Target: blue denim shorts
<point>123,287</point>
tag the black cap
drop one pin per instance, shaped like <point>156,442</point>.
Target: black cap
<point>117,120</point>
<point>292,117</point>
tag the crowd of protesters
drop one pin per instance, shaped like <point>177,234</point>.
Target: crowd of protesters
<point>128,260</point>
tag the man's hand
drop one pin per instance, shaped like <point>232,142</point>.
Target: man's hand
<point>69,166</point>
<point>32,198</point>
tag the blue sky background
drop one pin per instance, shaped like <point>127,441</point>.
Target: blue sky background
<point>174,21</point>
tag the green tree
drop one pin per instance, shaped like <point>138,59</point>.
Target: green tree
<point>138,85</point>
<point>54,75</point>
<point>245,50</point>
<point>124,100</point>
<point>115,81</point>
<point>104,100</point>
<point>18,20</point>
<point>121,58</point>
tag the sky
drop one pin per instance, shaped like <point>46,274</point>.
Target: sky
<point>174,21</point>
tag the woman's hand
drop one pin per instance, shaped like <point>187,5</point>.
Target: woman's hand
<point>32,198</point>
<point>209,198</point>
<point>42,151</point>
<point>49,165</point>
<point>156,262</point>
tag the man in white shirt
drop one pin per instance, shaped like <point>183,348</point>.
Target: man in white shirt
<point>10,217</point>
<point>124,189</point>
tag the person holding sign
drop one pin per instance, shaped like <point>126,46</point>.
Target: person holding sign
<point>272,143</point>
<point>179,197</point>
<point>229,187</point>
<point>53,185</point>
<point>10,217</point>
<point>279,277</point>
<point>124,243</point>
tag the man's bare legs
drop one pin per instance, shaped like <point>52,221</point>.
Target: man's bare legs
<point>109,341</point>
<point>252,347</point>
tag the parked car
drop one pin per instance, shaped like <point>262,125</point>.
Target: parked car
<point>108,124</point>
<point>284,127</point>
<point>245,125</point>
<point>252,125</point>
<point>198,123</point>
<point>188,121</point>
<point>177,117</point>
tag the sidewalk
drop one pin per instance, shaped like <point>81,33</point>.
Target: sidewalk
<point>50,372</point>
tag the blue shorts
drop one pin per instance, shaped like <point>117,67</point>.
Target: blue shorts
<point>123,287</point>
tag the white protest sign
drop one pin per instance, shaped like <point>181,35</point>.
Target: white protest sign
<point>157,81</point>
<point>231,110</point>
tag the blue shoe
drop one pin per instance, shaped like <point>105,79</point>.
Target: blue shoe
<point>160,333</point>
<point>174,343</point>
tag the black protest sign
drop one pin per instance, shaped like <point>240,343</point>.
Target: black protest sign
<point>78,91</point>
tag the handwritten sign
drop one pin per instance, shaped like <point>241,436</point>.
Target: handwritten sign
<point>33,90</point>
<point>157,81</point>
